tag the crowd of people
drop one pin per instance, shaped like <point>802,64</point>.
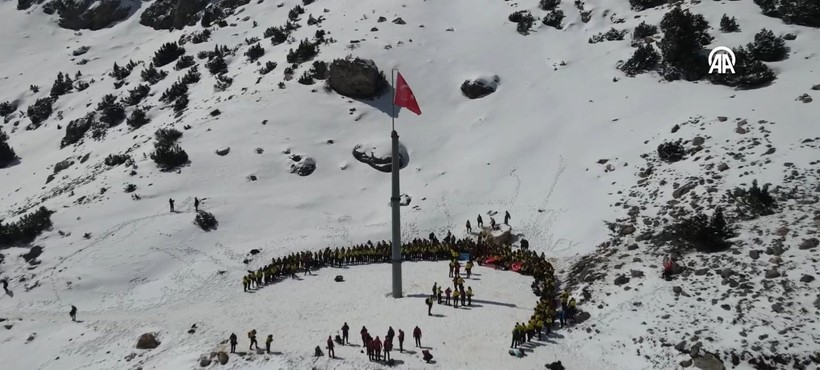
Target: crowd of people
<point>484,250</point>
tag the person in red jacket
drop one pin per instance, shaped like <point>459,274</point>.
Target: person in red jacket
<point>401,341</point>
<point>330,351</point>
<point>369,343</point>
<point>377,349</point>
<point>417,336</point>
<point>388,346</point>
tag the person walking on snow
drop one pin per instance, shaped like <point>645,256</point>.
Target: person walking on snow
<point>268,342</point>
<point>417,336</point>
<point>463,295</point>
<point>73,313</point>
<point>452,267</point>
<point>5,285</point>
<point>252,337</point>
<point>429,302</point>
<point>233,341</point>
<point>330,352</point>
<point>171,203</point>
<point>469,296</point>
<point>196,204</point>
<point>377,349</point>
<point>492,223</point>
<point>345,329</point>
<point>469,229</point>
<point>479,222</point>
<point>455,298</point>
<point>401,341</point>
<point>435,288</point>
<point>438,292</point>
<point>388,346</point>
<point>447,294</point>
<point>391,333</point>
<point>507,218</point>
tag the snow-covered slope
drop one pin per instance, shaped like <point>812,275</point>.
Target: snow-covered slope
<point>531,147</point>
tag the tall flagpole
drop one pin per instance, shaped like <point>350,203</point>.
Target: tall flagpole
<point>394,200</point>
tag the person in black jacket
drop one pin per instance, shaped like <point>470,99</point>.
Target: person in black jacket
<point>345,329</point>
<point>233,342</point>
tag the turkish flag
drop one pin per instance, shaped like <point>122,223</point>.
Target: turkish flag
<point>404,96</point>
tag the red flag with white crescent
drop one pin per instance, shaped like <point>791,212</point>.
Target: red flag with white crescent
<point>404,96</point>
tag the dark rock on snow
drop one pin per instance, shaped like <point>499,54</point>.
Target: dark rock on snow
<point>223,151</point>
<point>222,357</point>
<point>89,14</point>
<point>772,274</point>
<point>621,280</point>
<point>175,14</point>
<point>148,341</point>
<point>809,243</point>
<point>304,167</point>
<point>380,157</point>
<point>480,87</point>
<point>806,279</point>
<point>356,78</point>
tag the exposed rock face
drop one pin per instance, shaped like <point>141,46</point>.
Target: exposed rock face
<point>380,156</point>
<point>356,78</point>
<point>303,167</point>
<point>708,361</point>
<point>480,87</point>
<point>148,341</point>
<point>90,14</point>
<point>174,14</point>
<point>809,243</point>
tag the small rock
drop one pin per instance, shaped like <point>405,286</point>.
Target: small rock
<point>723,167</point>
<point>754,254</point>
<point>677,290</point>
<point>627,230</point>
<point>675,128</point>
<point>816,87</point>
<point>399,21</point>
<point>223,151</point>
<point>698,141</point>
<point>701,272</point>
<point>382,19</point>
<point>806,279</point>
<point>686,363</point>
<point>805,98</point>
<point>632,247</point>
<point>204,362</point>
<point>809,243</point>
<point>681,347</point>
<point>782,231</point>
<point>252,178</point>
<point>772,274</point>
<point>636,273</point>
<point>722,118</point>
<point>222,357</point>
<point>215,112</point>
<point>789,37</point>
<point>682,190</point>
<point>770,151</point>
<point>621,280</point>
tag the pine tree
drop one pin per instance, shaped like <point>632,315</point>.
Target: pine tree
<point>138,119</point>
<point>644,30</point>
<point>111,111</point>
<point>644,59</point>
<point>167,53</point>
<point>768,47</point>
<point>7,154</point>
<point>255,52</point>
<point>217,65</point>
<point>684,36</point>
<point>728,25</point>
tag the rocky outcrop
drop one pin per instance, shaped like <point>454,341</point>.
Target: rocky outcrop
<point>379,156</point>
<point>303,166</point>
<point>480,87</point>
<point>356,78</point>
<point>173,14</point>
<point>90,14</point>
<point>148,341</point>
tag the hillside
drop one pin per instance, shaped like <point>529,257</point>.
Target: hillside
<point>564,144</point>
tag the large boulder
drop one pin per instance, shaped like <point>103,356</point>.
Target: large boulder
<point>480,87</point>
<point>303,167</point>
<point>356,78</point>
<point>222,357</point>
<point>379,155</point>
<point>148,341</point>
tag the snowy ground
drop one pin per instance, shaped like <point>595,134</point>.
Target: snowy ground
<point>530,148</point>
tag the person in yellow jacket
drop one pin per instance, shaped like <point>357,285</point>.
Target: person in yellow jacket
<point>469,296</point>
<point>452,268</point>
<point>571,310</point>
<point>564,299</point>
<point>468,268</point>
<point>455,298</point>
